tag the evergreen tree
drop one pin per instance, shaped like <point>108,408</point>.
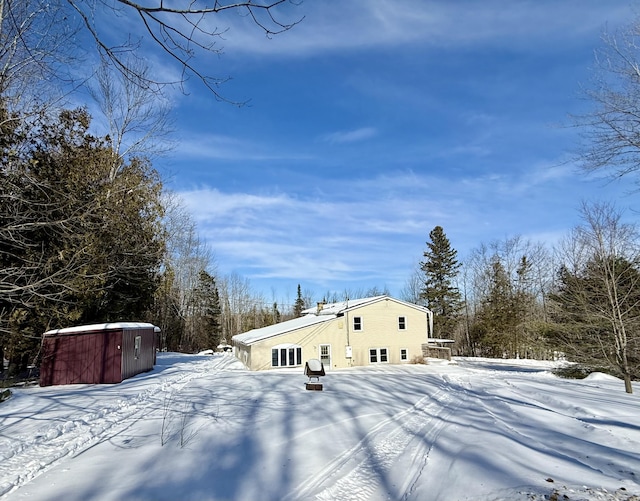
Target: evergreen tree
<point>299,304</point>
<point>206,313</point>
<point>440,269</point>
<point>496,320</point>
<point>76,246</point>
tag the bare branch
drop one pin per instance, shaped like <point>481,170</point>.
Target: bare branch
<point>182,33</point>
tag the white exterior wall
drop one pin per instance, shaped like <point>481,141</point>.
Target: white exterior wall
<point>380,329</point>
<point>306,337</point>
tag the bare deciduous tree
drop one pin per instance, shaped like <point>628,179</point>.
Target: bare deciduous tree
<point>36,44</point>
<point>37,32</point>
<point>599,289</point>
<point>611,130</point>
<point>412,289</point>
<point>522,268</point>
<point>137,120</point>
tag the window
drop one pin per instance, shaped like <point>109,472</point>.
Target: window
<point>286,356</point>
<point>325,354</point>
<point>404,355</point>
<point>357,323</point>
<point>136,347</point>
<point>402,323</point>
<point>378,355</point>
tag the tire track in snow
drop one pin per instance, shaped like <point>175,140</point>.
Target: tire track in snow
<point>454,399</point>
<point>588,458</point>
<point>574,412</point>
<point>356,473</point>
<point>21,462</point>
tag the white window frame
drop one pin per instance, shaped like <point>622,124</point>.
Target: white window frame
<point>402,323</point>
<point>327,347</point>
<point>137,343</point>
<point>284,354</point>
<point>378,353</point>
<point>357,327</point>
<point>404,355</point>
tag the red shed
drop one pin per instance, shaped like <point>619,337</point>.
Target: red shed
<point>100,353</point>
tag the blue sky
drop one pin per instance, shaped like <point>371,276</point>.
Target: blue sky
<point>371,122</point>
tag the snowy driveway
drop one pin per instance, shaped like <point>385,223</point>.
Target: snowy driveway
<point>204,428</point>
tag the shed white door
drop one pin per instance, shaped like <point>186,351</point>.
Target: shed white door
<point>325,355</point>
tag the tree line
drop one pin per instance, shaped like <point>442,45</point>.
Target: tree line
<point>516,299</point>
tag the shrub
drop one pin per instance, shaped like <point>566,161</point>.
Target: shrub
<point>418,359</point>
<point>577,371</point>
<point>4,395</point>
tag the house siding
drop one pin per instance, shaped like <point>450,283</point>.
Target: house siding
<point>380,330</point>
<point>132,364</point>
<point>89,358</point>
<point>259,354</point>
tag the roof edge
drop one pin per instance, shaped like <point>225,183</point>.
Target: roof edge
<point>99,327</point>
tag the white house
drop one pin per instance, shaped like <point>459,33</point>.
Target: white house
<point>374,330</point>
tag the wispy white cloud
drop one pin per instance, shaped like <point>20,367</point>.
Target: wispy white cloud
<point>350,136</point>
<point>361,24</point>
<point>226,147</point>
<point>378,230</point>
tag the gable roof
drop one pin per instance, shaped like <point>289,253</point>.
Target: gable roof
<point>312,316</point>
<point>342,306</point>
<point>352,304</point>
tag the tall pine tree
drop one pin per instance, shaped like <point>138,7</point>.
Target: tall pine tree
<point>443,297</point>
<point>299,304</point>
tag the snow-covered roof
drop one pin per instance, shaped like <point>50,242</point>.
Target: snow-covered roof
<point>100,327</point>
<point>342,306</point>
<point>274,330</point>
<point>335,308</point>
<point>312,316</point>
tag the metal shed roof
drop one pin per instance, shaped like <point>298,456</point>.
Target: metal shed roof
<point>99,327</point>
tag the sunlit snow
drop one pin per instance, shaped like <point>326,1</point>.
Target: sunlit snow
<point>202,427</point>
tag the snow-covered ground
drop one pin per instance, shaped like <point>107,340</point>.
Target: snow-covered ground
<point>205,428</point>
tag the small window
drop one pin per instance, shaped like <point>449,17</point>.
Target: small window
<point>373,356</point>
<point>402,323</point>
<point>136,347</point>
<point>357,323</point>
<point>383,355</point>
<point>283,356</point>
<point>404,356</point>
<point>274,357</point>
<point>298,356</point>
